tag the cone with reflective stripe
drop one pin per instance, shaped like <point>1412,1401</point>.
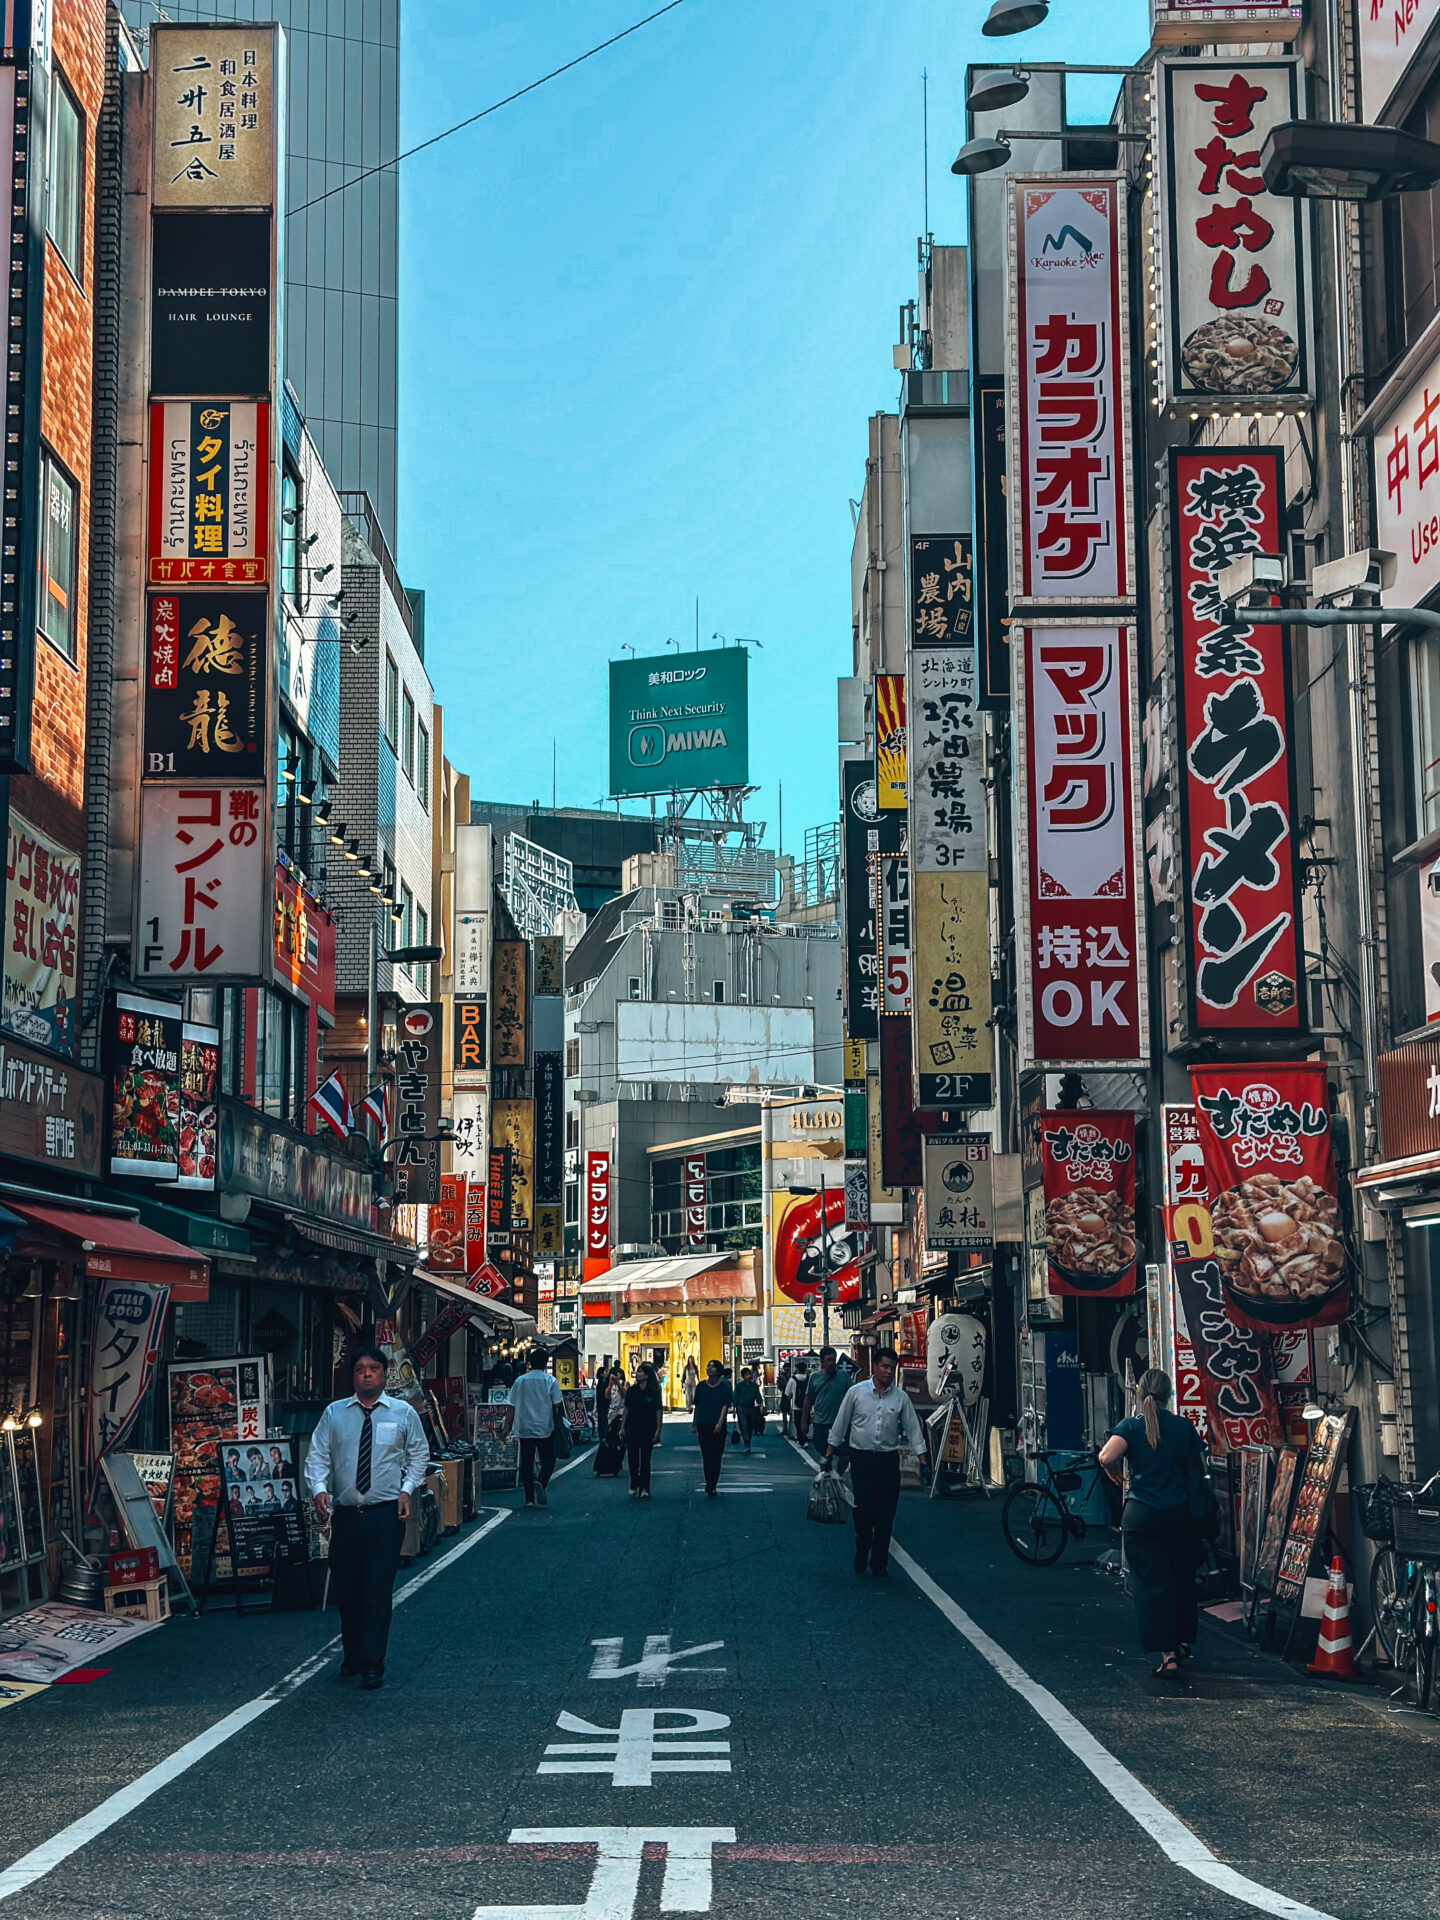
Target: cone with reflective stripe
<point>1333,1655</point>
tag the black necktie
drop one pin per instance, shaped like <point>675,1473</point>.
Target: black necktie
<point>362,1459</point>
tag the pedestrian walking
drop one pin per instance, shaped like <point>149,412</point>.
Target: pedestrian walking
<point>1164,1454</point>
<point>824,1393</point>
<point>640,1424</point>
<point>712,1410</point>
<point>533,1400</point>
<point>367,1456</point>
<point>749,1405</point>
<point>782,1382</point>
<point>873,1419</point>
<point>689,1380</point>
<point>799,1381</point>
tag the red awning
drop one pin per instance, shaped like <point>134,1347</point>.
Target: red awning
<point>117,1249</point>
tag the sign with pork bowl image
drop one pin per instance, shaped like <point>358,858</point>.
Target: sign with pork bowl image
<point>1088,1168</point>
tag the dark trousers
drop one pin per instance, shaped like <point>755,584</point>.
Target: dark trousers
<point>528,1450</point>
<point>364,1553</point>
<point>639,1452</point>
<point>875,1480</point>
<point>1160,1559</point>
<point>712,1454</point>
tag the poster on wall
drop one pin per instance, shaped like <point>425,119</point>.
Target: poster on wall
<point>1082,917</point>
<point>1067,400</point>
<point>209,492</point>
<point>1232,313</point>
<point>144,1039</point>
<point>1239,856</point>
<point>198,1117</point>
<point>261,1497</point>
<point>124,1347</point>
<point>1087,1159</point>
<point>42,938</point>
<point>1275,1217</point>
<point>211,1402</point>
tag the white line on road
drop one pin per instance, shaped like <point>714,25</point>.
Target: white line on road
<point>43,1859</point>
<point>1184,1848</point>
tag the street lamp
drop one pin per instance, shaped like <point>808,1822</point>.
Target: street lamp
<point>411,956</point>
<point>1014,16</point>
<point>988,151</point>
<point>1342,160</point>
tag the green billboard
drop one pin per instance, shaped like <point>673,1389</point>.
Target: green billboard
<point>680,722</point>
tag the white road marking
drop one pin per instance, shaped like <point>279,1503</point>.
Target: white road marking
<point>638,1748</point>
<point>656,1662</point>
<point>43,1859</point>
<point>1184,1848</point>
<point>615,1885</point>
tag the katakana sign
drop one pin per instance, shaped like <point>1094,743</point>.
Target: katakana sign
<point>205,685</point>
<point>1233,318</point>
<point>209,493</point>
<point>1239,873</point>
<point>124,1346</point>
<point>205,874</point>
<point>42,937</point>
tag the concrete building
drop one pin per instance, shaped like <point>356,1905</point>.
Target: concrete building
<point>597,842</point>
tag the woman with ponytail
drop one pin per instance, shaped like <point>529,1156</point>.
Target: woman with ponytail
<point>1165,1457</point>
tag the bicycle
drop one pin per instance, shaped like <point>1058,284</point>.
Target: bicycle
<point>1037,1518</point>
<point>1404,1522</point>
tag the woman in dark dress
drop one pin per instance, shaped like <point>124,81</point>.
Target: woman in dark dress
<point>1164,1454</point>
<point>640,1424</point>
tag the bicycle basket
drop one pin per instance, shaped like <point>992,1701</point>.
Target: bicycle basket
<point>1417,1529</point>
<point>1069,1481</point>
<point>1374,1509</point>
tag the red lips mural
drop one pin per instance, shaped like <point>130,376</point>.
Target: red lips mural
<point>807,1253</point>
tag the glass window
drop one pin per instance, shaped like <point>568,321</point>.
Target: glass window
<point>65,215</point>
<point>232,1040</point>
<point>59,507</point>
<point>392,702</point>
<point>407,922</point>
<point>407,739</point>
<point>422,769</point>
<point>1425,657</point>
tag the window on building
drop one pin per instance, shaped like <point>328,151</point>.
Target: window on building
<point>59,513</point>
<point>280,1057</point>
<point>572,1128</point>
<point>572,1059</point>
<point>1403,237</point>
<point>422,939</point>
<point>65,215</point>
<point>407,738</point>
<point>392,702</point>
<point>232,1040</point>
<point>1425,670</point>
<point>422,768</point>
<point>572,1204</point>
<point>406,929</point>
<point>717,992</point>
<point>635,984</point>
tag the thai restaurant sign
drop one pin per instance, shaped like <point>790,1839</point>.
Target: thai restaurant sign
<point>1083,991</point>
<point>1067,397</point>
<point>1237,779</point>
<point>209,492</point>
<point>1233,313</point>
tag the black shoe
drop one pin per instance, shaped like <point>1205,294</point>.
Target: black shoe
<point>347,1672</point>
<point>859,1563</point>
<point>712,1493</point>
<point>373,1678</point>
<point>880,1573</point>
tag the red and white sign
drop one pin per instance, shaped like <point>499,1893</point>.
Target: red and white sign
<point>205,876</point>
<point>1239,873</point>
<point>1390,33</point>
<point>1068,393</point>
<point>1082,973</point>
<point>447,1227</point>
<point>1407,489</point>
<point>693,1179</point>
<point>1087,1162</point>
<point>209,492</point>
<point>474,1225</point>
<point>488,1280</point>
<point>597,1207</point>
<point>1233,317</point>
<point>124,1346</point>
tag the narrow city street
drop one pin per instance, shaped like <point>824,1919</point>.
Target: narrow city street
<point>607,1707</point>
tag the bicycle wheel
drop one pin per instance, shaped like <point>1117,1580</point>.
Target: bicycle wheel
<point>1418,1653</point>
<point>1036,1525</point>
<point>1388,1599</point>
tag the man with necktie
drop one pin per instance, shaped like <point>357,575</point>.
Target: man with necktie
<point>367,1456</point>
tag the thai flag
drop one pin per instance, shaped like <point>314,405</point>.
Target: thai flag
<point>377,1104</point>
<point>330,1103</point>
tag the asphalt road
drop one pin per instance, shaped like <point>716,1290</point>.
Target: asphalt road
<point>983,1745</point>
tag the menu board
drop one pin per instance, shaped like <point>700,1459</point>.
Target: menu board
<point>211,1402</point>
<point>1277,1518</point>
<point>498,1450</point>
<point>1312,1502</point>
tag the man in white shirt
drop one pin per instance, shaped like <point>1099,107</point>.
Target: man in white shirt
<point>367,1455</point>
<point>534,1398</point>
<point>874,1418</point>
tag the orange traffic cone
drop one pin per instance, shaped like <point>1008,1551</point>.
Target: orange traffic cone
<point>1333,1656</point>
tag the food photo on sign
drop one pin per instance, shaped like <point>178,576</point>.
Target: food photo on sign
<point>1275,1214</point>
<point>1088,1171</point>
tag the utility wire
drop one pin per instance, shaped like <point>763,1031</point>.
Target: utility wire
<point>460,125</point>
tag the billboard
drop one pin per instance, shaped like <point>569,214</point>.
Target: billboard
<point>205,685</point>
<point>209,492</point>
<point>678,1041</point>
<point>680,721</point>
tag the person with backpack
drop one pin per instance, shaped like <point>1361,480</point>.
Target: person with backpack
<point>1166,1461</point>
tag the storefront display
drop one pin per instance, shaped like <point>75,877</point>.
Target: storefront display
<point>211,1402</point>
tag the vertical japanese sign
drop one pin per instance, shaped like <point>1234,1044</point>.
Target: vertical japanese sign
<point>143,1046</point>
<point>198,1113</point>
<point>959,1201</point>
<point>1067,402</point>
<point>1233,316</point>
<point>549,982</point>
<point>597,1213</point>
<point>1237,799</point>
<point>124,1347</point>
<point>1274,1211</point>
<point>992,541</point>
<point>205,685</point>
<point>203,899</point>
<point>304,949</point>
<point>447,1226</point>
<point>498,1181</point>
<point>470,961</point>
<point>507,1003</point>
<point>1083,967</point>
<point>862,926</point>
<point>549,1127</point>
<point>209,492</point>
<point>475,1198</point>
<point>895,957</point>
<point>1087,1162</point>
<point>419,1064</point>
<point>693,1192</point>
<point>950,883</point>
<point>890,742</point>
<point>942,590</point>
<point>512,1125</point>
<point>467,1120</point>
<point>214,135</point>
<point>42,938</point>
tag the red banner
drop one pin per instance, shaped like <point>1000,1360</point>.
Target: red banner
<point>1236,806</point>
<point>1265,1131</point>
<point>447,1227</point>
<point>476,1197</point>
<point>597,1207</point>
<point>1088,1167</point>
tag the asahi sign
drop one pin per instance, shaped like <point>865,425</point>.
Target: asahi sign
<point>1067,398</point>
<point>1082,927</point>
<point>1236,778</point>
<point>1233,316</point>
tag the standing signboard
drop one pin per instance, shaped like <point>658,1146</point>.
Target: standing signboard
<point>209,492</point>
<point>203,897</point>
<point>124,1347</point>
<point>1232,314</point>
<point>1237,807</point>
<point>211,1401</point>
<point>419,1066</point>
<point>41,938</point>
<point>959,1202</point>
<point>261,1494</point>
<point>1067,395</point>
<point>1081,912</point>
<point>1323,1461</point>
<point>1088,1175</point>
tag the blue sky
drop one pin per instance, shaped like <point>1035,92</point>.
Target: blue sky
<point>645,314</point>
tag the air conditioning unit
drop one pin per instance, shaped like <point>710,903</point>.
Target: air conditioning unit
<point>586,1097</point>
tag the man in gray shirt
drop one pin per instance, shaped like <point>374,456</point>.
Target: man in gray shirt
<point>823,1396</point>
<point>533,1400</point>
<point>368,1455</point>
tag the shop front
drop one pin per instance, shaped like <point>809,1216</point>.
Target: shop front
<point>670,1312</point>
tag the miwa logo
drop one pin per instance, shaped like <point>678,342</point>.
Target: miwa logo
<point>650,744</point>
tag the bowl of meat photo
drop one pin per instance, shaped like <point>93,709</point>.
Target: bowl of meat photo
<point>1090,1235</point>
<point>1282,1260</point>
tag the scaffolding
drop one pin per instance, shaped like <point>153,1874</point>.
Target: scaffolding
<point>817,879</point>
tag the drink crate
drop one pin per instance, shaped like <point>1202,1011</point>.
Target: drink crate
<point>132,1568</point>
<point>149,1600</point>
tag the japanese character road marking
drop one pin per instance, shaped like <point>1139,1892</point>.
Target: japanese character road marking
<point>615,1886</point>
<point>656,1662</point>
<point>637,1749</point>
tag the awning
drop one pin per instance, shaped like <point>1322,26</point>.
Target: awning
<point>635,1325</point>
<point>357,1240</point>
<point>1392,1173</point>
<point>481,1305</point>
<point>118,1249</point>
<point>653,1274</point>
<point>504,1315</point>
